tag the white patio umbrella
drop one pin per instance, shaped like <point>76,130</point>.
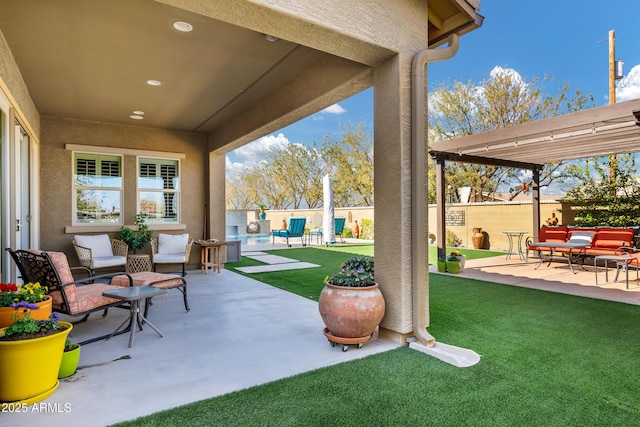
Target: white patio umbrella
<point>328,220</point>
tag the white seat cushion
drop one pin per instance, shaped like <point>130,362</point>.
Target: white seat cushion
<point>172,244</point>
<point>109,261</point>
<point>100,244</point>
<point>169,258</point>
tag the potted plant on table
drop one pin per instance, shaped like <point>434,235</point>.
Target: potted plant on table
<point>351,304</point>
<point>30,355</point>
<point>32,293</point>
<point>137,239</point>
<point>70,359</point>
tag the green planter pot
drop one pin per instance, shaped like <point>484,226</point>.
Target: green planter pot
<point>69,364</point>
<point>442,266</point>
<point>453,267</point>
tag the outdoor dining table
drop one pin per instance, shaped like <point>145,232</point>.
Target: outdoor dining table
<point>559,245</point>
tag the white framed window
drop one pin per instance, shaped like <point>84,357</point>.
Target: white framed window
<point>97,184</point>
<point>159,189</point>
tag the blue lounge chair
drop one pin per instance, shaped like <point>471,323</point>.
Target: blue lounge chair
<point>338,227</point>
<point>295,228</point>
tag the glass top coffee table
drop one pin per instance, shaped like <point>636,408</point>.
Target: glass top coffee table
<point>134,295</point>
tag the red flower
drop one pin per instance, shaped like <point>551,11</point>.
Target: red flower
<point>8,287</point>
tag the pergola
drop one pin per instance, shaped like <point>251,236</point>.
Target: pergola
<point>596,132</point>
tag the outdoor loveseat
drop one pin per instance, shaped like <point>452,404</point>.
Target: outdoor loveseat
<point>604,240</point>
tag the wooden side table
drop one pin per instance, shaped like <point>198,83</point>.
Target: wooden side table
<point>138,263</point>
<point>210,255</point>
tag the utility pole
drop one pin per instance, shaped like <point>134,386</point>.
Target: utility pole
<point>615,73</point>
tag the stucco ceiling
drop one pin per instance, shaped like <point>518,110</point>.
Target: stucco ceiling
<point>91,59</point>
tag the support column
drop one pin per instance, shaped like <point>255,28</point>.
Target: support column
<point>441,233</point>
<point>392,161</point>
<point>536,202</point>
<point>216,209</point>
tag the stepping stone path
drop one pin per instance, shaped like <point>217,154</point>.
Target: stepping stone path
<point>273,263</point>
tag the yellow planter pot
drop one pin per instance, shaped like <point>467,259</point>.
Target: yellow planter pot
<point>29,368</point>
<point>42,313</point>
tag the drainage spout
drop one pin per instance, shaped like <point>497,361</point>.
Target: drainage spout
<point>419,146</point>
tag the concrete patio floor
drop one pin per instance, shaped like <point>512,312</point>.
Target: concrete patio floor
<point>238,334</point>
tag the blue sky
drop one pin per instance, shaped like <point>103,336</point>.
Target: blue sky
<point>567,40</point>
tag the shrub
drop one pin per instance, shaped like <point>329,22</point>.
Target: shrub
<point>366,229</point>
<point>453,239</point>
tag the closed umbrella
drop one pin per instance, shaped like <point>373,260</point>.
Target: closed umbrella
<point>328,220</point>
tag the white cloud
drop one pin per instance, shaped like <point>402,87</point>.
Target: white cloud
<point>513,74</point>
<point>629,86</point>
<point>334,109</point>
<point>251,154</point>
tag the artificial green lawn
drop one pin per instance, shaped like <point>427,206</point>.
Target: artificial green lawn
<point>547,360</point>
<point>309,282</point>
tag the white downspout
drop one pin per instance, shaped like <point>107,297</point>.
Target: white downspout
<point>424,341</point>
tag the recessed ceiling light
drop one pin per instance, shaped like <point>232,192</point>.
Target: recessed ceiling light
<point>154,82</point>
<point>138,112</point>
<point>136,117</point>
<point>185,27</point>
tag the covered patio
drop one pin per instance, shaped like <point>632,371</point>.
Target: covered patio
<point>222,344</point>
<point>239,333</point>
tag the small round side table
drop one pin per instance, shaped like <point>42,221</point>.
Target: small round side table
<point>138,263</point>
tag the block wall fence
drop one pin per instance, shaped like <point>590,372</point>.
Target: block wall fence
<point>493,217</point>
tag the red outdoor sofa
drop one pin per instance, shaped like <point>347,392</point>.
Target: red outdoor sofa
<point>605,241</point>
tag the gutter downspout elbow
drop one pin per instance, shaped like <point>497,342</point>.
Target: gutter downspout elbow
<point>426,343</point>
<point>419,196</point>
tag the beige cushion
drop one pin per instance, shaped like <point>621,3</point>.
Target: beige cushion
<point>172,243</point>
<point>100,244</point>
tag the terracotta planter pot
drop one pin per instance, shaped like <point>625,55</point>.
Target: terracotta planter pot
<point>42,313</point>
<point>40,359</point>
<point>351,312</point>
<point>477,238</point>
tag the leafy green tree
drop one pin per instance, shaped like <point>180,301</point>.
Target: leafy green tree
<point>606,194</point>
<point>299,169</point>
<point>291,175</point>
<point>350,161</point>
<point>504,100</point>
